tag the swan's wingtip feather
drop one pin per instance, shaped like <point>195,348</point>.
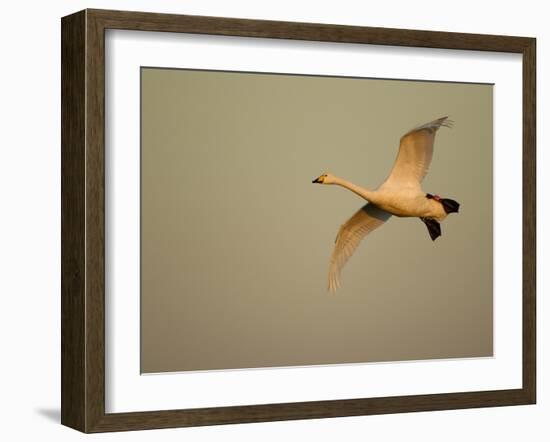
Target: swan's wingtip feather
<point>441,122</point>
<point>432,126</point>
<point>446,122</point>
<point>333,284</point>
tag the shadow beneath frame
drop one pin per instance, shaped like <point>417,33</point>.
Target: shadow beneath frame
<point>51,414</point>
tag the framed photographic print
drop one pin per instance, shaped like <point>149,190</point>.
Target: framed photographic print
<point>270,220</point>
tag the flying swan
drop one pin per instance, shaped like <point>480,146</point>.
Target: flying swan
<point>400,195</point>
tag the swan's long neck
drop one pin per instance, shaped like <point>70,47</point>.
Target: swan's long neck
<point>369,195</point>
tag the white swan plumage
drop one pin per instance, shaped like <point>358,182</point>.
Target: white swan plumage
<point>400,194</point>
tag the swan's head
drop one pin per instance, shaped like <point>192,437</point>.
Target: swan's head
<point>326,178</point>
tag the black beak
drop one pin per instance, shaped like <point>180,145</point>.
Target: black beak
<point>317,180</point>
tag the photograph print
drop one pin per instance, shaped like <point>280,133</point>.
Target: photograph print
<point>301,220</point>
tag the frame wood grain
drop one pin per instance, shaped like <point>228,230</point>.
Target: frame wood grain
<point>83,219</point>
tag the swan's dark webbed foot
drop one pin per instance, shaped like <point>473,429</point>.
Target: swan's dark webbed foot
<point>449,205</point>
<point>434,229</point>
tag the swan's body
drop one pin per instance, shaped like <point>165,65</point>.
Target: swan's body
<point>401,195</point>
<point>402,202</point>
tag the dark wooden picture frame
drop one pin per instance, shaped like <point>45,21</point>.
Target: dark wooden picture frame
<point>83,220</point>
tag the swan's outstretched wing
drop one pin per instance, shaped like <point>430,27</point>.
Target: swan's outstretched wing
<point>415,155</point>
<point>364,221</point>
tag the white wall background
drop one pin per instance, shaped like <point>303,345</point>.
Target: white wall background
<point>30,219</point>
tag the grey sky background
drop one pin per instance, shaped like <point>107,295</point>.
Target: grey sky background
<point>236,240</point>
